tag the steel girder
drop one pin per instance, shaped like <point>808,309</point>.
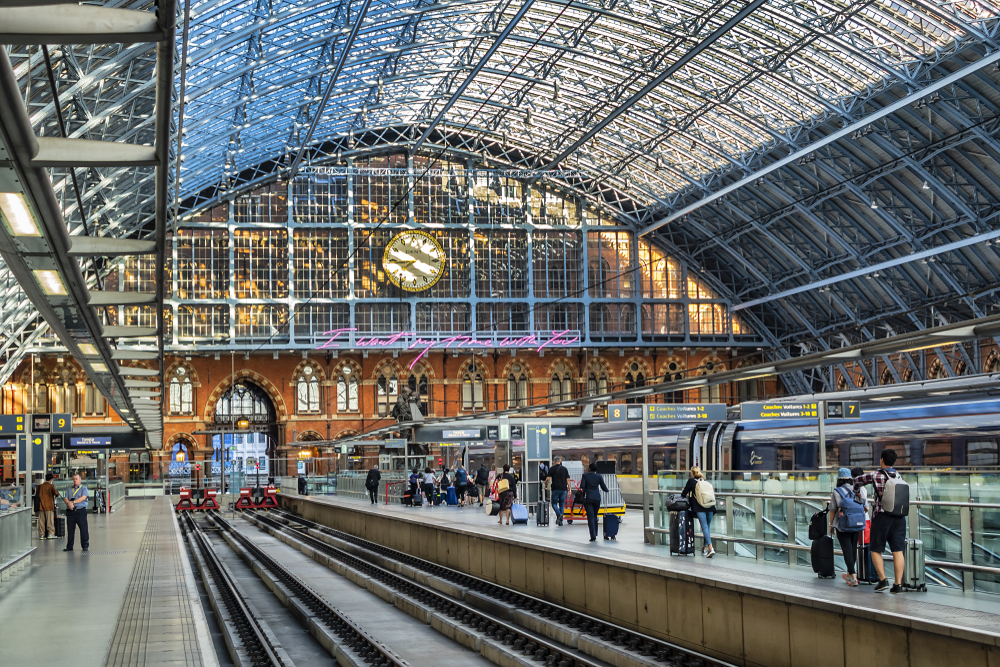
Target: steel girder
<point>786,75</point>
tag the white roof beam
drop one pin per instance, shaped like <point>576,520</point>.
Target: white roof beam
<point>77,24</point>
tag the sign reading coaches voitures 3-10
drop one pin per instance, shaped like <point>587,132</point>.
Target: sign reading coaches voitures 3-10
<point>807,410</point>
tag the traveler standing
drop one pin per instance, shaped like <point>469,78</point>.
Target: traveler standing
<point>847,518</point>
<point>559,476</point>
<point>77,498</point>
<point>47,495</point>
<point>371,483</point>
<point>702,497</point>
<point>888,523</point>
<point>506,486</point>
<point>482,481</point>
<point>543,480</point>
<point>429,480</point>
<point>461,482</point>
<point>303,486</point>
<point>592,484</point>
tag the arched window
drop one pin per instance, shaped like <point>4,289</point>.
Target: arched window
<point>420,390</point>
<point>597,382</point>
<point>674,372</point>
<point>472,391</point>
<point>634,377</point>
<point>936,371</point>
<point>711,393</point>
<point>64,392</point>
<point>386,391</point>
<point>41,396</point>
<point>561,386</point>
<point>992,363</point>
<point>347,391</point>
<point>93,400</point>
<point>181,392</point>
<point>518,387</point>
<point>886,378</point>
<point>307,391</point>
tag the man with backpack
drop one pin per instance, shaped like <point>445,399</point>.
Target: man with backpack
<point>892,503</point>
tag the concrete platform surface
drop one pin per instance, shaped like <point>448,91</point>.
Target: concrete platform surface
<point>128,601</point>
<point>971,616</point>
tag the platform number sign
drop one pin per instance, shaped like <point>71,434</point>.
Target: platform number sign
<point>11,424</point>
<point>62,423</point>
<point>616,413</point>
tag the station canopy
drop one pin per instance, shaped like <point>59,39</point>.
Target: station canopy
<point>646,109</point>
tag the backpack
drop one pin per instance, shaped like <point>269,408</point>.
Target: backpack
<point>704,494</point>
<point>895,494</point>
<point>851,515</point>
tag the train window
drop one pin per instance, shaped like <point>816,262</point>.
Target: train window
<point>657,462</point>
<point>638,464</point>
<point>861,454</point>
<point>832,454</point>
<point>626,463</point>
<point>982,453</point>
<point>598,456</point>
<point>937,452</point>
<point>902,450</point>
<point>585,460</point>
<point>786,458</point>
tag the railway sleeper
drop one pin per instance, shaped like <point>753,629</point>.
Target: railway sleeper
<point>242,655</point>
<point>493,641</point>
<point>610,643</point>
<point>346,647</point>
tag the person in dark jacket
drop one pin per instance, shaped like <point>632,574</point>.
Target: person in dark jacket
<point>592,484</point>
<point>482,482</point>
<point>560,485</point>
<point>704,514</point>
<point>303,487</point>
<point>371,483</point>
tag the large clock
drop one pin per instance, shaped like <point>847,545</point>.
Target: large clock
<point>413,260</point>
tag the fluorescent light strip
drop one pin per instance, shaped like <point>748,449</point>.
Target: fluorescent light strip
<point>18,216</point>
<point>50,281</point>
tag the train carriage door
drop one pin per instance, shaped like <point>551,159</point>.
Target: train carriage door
<point>727,442</point>
<point>685,442</point>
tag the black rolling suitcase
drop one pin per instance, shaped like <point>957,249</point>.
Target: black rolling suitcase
<point>612,522</point>
<point>682,533</point>
<point>864,567</point>
<point>60,526</point>
<point>822,557</point>
<point>542,513</point>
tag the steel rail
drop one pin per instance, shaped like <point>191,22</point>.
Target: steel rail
<point>367,647</point>
<point>254,640</point>
<point>634,642</point>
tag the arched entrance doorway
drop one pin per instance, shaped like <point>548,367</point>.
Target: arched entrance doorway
<point>247,413</point>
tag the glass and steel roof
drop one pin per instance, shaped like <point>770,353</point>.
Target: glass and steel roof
<point>655,103</point>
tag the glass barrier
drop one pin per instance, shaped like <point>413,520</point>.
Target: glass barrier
<point>765,515</point>
<point>15,540</point>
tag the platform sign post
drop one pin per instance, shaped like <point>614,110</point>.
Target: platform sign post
<point>646,535</point>
<point>822,435</point>
<point>537,448</point>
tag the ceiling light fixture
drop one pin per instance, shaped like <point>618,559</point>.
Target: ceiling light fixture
<point>874,204</point>
<point>88,349</point>
<point>50,281</point>
<point>17,214</point>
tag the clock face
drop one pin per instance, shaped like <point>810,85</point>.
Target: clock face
<point>413,260</point>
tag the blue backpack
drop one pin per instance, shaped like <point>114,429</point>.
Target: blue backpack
<point>851,515</point>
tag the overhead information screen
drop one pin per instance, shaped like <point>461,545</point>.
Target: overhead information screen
<point>686,412</point>
<point>779,410</point>
<point>90,442</point>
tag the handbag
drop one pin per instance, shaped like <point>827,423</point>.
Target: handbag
<point>503,485</point>
<point>677,503</point>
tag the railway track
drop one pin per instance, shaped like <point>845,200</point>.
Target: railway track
<point>248,639</point>
<point>601,640</point>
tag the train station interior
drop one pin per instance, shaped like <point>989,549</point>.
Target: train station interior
<point>555,333</point>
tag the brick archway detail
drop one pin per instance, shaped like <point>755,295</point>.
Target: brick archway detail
<point>281,412</point>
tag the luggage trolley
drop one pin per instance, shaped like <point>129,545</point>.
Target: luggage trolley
<point>612,502</point>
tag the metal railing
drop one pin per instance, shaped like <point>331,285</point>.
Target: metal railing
<point>15,542</point>
<point>351,484</point>
<point>773,527</point>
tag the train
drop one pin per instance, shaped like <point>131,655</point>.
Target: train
<point>925,433</point>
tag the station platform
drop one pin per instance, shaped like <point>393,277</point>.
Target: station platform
<point>130,600</point>
<point>748,611</point>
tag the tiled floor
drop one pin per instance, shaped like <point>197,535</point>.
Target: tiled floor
<point>978,612</point>
<point>126,602</point>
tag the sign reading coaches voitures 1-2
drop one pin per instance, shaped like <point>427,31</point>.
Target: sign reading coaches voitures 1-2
<point>807,410</point>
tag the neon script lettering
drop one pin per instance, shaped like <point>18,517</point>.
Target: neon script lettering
<point>411,341</point>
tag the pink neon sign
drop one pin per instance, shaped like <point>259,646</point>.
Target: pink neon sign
<point>411,341</point>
